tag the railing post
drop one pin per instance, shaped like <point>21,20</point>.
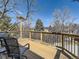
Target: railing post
<point>78,48</point>
<point>62,43</point>
<point>41,36</point>
<point>77,40</point>
<point>29,35</point>
<point>21,29</point>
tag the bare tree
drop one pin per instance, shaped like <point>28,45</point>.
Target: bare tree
<point>29,11</point>
<point>30,5</point>
<point>62,19</point>
<point>5,7</point>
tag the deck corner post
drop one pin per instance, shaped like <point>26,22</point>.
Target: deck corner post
<point>30,35</point>
<point>62,43</point>
<point>41,37</point>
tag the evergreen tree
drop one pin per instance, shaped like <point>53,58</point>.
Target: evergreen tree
<point>50,28</point>
<point>39,25</point>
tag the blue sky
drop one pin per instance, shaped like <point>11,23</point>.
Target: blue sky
<point>44,10</point>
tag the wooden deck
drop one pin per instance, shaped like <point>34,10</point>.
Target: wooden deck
<point>40,50</point>
<point>46,52</point>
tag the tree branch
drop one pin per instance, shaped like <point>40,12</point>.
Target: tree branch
<point>5,3</point>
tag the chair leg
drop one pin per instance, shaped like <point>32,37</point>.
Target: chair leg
<point>24,56</point>
<point>6,56</point>
<point>17,58</point>
<point>12,57</point>
<point>0,56</point>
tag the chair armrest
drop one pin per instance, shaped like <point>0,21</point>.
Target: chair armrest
<point>28,45</point>
<point>24,48</point>
<point>2,50</point>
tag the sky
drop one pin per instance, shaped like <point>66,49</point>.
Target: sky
<point>44,10</point>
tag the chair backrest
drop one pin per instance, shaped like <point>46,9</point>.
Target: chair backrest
<point>2,43</point>
<point>2,36</point>
<point>12,46</point>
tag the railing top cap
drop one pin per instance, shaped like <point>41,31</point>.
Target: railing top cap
<point>57,33</point>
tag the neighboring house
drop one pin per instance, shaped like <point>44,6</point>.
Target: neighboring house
<point>46,29</point>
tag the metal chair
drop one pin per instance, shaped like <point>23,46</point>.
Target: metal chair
<point>2,49</point>
<point>14,50</point>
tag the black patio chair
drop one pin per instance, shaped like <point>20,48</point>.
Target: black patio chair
<point>2,49</point>
<point>2,36</point>
<point>14,50</point>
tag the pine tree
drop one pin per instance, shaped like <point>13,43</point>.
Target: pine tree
<point>39,25</point>
<point>50,28</point>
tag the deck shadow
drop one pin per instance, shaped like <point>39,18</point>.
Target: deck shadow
<point>69,57</point>
<point>59,52</point>
<point>57,56</point>
<point>31,55</point>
